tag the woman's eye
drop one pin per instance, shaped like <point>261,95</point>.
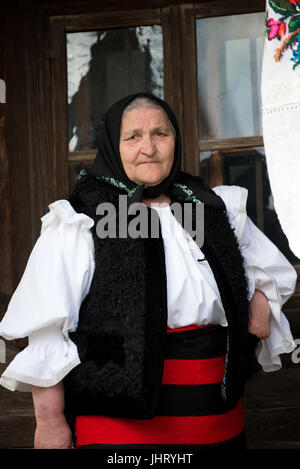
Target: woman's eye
<point>132,137</point>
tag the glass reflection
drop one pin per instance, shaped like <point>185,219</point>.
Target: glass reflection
<point>249,169</point>
<point>229,60</point>
<point>104,66</point>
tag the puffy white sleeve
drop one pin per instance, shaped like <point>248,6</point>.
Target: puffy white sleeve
<point>267,270</point>
<point>46,303</point>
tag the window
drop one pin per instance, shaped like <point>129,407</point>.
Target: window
<point>104,66</point>
<point>229,61</point>
<point>229,58</point>
<point>96,59</point>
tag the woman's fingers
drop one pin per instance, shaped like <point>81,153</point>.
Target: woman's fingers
<point>259,316</point>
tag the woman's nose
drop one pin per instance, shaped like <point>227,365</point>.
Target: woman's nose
<point>148,146</point>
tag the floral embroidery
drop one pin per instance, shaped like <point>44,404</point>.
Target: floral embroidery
<point>188,192</point>
<point>130,192</point>
<point>83,172</point>
<point>110,180</point>
<point>114,182</point>
<point>286,28</point>
<point>275,29</point>
<point>296,53</point>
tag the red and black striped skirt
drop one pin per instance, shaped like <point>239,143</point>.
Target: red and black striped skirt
<point>190,410</point>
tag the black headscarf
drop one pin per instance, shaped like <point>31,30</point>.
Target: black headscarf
<point>108,163</point>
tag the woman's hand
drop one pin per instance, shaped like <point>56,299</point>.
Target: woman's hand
<point>52,430</point>
<point>53,433</point>
<point>259,316</point>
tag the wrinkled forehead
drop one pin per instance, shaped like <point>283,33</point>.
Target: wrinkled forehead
<point>140,111</point>
<point>144,117</point>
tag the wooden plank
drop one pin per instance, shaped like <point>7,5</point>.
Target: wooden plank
<point>16,154</point>
<point>172,59</point>
<point>59,108</point>
<point>27,163</point>
<point>82,155</point>
<point>39,117</point>
<point>65,7</point>
<point>215,169</point>
<point>226,7</point>
<point>117,19</point>
<point>230,143</point>
<point>17,422</point>
<point>26,190</point>
<point>6,274</point>
<point>190,92</point>
<point>19,158</point>
<point>272,409</point>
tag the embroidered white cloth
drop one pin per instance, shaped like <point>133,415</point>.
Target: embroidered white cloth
<point>46,303</point>
<point>280,92</point>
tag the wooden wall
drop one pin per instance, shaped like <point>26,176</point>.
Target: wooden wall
<point>25,175</point>
<point>26,166</point>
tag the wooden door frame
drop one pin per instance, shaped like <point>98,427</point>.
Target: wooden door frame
<point>180,73</point>
<point>179,91</point>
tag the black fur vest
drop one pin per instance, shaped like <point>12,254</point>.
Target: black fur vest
<point>122,321</point>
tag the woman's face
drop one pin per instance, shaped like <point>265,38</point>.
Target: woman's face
<point>147,145</point>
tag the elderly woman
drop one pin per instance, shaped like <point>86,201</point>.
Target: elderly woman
<point>143,341</point>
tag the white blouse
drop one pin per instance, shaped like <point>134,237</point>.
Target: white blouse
<point>60,269</point>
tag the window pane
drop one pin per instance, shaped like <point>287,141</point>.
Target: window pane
<point>104,66</point>
<point>229,60</point>
<point>249,169</point>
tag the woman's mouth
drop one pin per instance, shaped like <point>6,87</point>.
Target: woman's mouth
<point>149,162</point>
